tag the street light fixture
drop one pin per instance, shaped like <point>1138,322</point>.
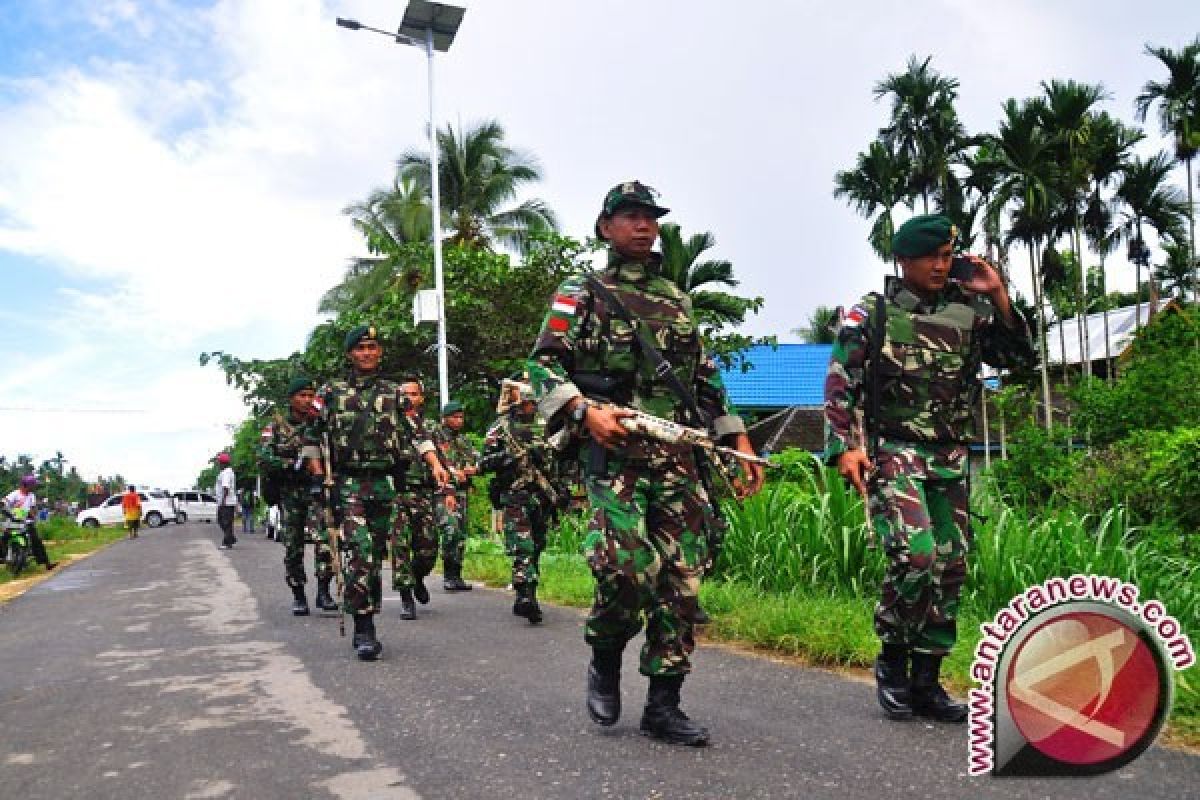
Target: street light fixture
<point>433,27</point>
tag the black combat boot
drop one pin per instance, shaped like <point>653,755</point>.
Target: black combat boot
<point>325,600</point>
<point>452,581</point>
<point>526,604</point>
<point>299,601</point>
<point>366,645</point>
<point>662,718</point>
<point>419,590</point>
<point>407,609</point>
<point>929,699</point>
<point>604,686</point>
<point>891,682</point>
<point>700,616</point>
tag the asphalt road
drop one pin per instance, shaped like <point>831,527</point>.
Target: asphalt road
<point>165,668</point>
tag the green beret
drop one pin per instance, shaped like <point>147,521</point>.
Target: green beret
<point>629,193</point>
<point>358,333</point>
<point>299,384</point>
<point>453,407</point>
<point>923,234</point>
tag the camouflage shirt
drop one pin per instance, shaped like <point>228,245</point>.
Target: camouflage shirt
<point>927,372</point>
<point>367,427</point>
<point>515,449</point>
<point>281,448</point>
<point>584,348</point>
<point>455,448</point>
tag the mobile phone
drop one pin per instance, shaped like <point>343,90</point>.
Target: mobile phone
<point>961,268</point>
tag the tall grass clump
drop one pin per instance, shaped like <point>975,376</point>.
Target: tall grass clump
<point>808,532</point>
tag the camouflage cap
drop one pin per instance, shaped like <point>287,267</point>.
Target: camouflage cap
<point>453,407</point>
<point>299,384</point>
<point>629,193</point>
<point>923,234</point>
<point>358,333</point>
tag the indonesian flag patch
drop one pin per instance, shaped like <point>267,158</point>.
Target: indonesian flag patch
<point>855,316</point>
<point>564,305</point>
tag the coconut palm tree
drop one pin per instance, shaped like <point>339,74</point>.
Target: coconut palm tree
<point>478,176</point>
<point>1148,200</point>
<point>1023,154</point>
<point>821,324</point>
<point>1178,100</point>
<point>924,128</point>
<point>878,183</point>
<point>715,309</point>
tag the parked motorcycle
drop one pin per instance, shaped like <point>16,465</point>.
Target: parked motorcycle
<point>17,536</point>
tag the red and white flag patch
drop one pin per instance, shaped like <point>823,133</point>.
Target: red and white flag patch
<point>855,316</point>
<point>564,305</point>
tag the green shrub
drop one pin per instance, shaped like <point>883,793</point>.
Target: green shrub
<point>1039,466</point>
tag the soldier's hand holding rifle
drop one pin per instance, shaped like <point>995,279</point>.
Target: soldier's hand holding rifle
<point>603,422</point>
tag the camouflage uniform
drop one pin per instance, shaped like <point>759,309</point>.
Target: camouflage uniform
<point>368,430</point>
<point>415,536</point>
<point>282,464</point>
<point>514,450</point>
<point>929,357</point>
<point>456,452</point>
<point>646,543</point>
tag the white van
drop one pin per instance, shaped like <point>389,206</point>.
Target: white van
<point>195,505</point>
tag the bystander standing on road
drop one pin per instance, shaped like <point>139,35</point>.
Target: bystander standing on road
<point>247,501</point>
<point>227,501</point>
<point>131,504</point>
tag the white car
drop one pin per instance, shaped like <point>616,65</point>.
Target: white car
<point>158,508</point>
<point>195,505</point>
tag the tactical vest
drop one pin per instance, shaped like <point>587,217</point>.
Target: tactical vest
<point>362,423</point>
<point>608,346</point>
<point>287,441</point>
<point>926,371</point>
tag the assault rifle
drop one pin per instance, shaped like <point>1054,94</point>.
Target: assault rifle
<point>526,463</point>
<point>331,525</point>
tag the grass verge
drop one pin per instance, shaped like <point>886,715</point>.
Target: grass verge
<point>65,542</point>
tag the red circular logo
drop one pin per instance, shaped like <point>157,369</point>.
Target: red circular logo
<point>1084,688</point>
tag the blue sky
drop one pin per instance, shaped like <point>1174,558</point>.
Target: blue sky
<point>172,173</point>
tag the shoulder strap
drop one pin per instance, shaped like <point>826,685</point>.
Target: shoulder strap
<point>659,365</point>
<point>878,331</point>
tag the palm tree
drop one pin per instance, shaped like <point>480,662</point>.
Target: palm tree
<point>820,328</point>
<point>715,309</point>
<point>924,129</point>
<point>388,220</point>
<point>1148,199</point>
<point>1068,116</point>
<point>1174,275</point>
<point>1023,155</point>
<point>1111,144</point>
<point>879,182</point>
<point>1178,114</point>
<point>478,175</point>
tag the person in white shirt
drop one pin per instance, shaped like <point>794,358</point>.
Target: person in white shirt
<point>227,501</point>
<point>20,503</point>
<point>273,523</point>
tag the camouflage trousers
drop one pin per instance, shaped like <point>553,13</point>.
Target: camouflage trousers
<point>414,538</point>
<point>646,549</point>
<point>525,521</point>
<point>452,528</point>
<point>298,508</point>
<point>368,519</point>
<point>923,524</point>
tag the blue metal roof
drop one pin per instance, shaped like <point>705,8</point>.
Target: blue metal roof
<point>785,375</point>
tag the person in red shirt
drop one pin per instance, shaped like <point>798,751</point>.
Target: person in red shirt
<point>132,505</point>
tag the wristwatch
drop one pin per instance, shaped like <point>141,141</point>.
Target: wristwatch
<point>580,411</point>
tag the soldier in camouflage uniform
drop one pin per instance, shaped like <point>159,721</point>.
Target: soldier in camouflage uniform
<point>362,417</point>
<point>515,450</point>
<point>415,537</point>
<point>460,460</point>
<point>918,347</point>
<point>646,544</point>
<point>286,484</point>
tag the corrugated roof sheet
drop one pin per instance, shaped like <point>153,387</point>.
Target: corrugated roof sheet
<point>1121,330</point>
<point>785,375</point>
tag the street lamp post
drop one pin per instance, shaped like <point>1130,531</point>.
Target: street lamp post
<point>431,26</point>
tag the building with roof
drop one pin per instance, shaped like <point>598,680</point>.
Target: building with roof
<point>1122,324</point>
<point>781,394</point>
